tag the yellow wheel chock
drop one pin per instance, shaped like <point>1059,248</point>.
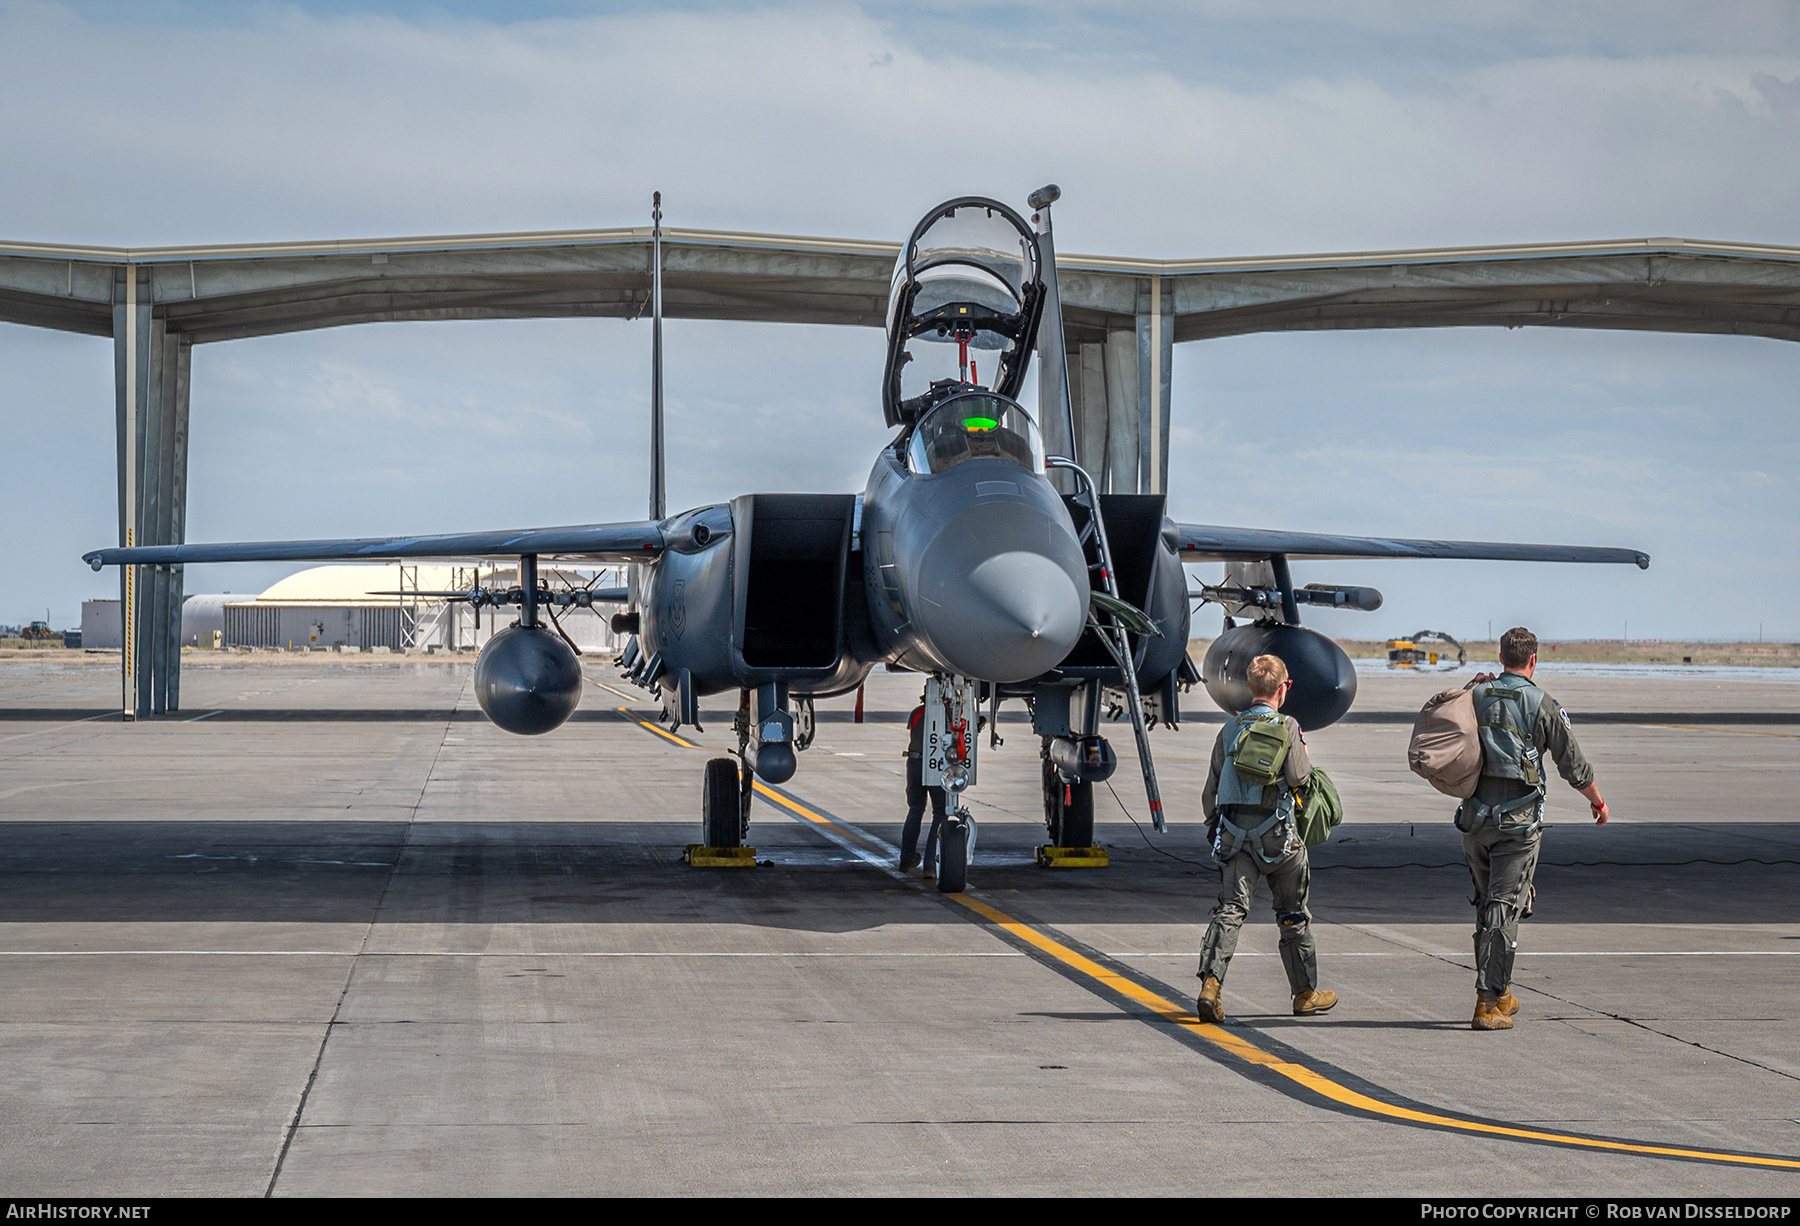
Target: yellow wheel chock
<point>719,857</point>
<point>1072,857</point>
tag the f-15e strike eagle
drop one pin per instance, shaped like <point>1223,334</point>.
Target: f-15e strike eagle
<point>972,557</point>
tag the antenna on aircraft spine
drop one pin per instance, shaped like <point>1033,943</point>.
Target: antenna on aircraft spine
<point>658,491</point>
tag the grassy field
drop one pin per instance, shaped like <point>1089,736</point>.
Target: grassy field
<point>1601,651</point>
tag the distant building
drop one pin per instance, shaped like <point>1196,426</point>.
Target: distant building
<point>327,606</point>
<point>394,606</point>
<point>101,625</point>
<point>101,630</point>
<point>360,606</point>
<point>204,616</point>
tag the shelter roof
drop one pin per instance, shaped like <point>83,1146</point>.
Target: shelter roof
<point>225,292</point>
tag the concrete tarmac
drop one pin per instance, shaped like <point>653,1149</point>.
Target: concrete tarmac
<point>329,932</point>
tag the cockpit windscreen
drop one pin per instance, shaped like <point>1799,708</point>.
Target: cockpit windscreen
<point>975,426</point>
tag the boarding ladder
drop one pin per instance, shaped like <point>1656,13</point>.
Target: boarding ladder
<point>1110,629</point>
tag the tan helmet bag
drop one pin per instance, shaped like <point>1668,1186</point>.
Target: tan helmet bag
<point>1445,749</point>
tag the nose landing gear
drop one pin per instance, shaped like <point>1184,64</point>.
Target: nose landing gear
<point>954,848</point>
<point>952,720</point>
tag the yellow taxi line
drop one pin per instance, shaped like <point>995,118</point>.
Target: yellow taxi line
<point>1242,1048</point>
<point>644,723</point>
<point>1317,1082</point>
<point>761,788</point>
<point>1297,1073</point>
<point>799,810</point>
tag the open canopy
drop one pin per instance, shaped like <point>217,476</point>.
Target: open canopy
<point>966,292</point>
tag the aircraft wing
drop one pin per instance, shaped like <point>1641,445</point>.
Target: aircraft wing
<point>1208,543</point>
<point>628,542</point>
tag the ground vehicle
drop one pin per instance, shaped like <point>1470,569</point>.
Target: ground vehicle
<point>1408,653</point>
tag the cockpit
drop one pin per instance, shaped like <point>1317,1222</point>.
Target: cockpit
<point>972,426</point>
<point>963,308</point>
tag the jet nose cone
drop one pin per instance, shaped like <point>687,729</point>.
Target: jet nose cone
<point>1028,592</point>
<point>1014,615</point>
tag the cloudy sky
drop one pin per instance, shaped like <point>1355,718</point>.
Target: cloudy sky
<point>1180,129</point>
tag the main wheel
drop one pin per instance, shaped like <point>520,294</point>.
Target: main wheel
<point>719,812</point>
<point>805,724</point>
<point>953,857</point>
<point>1068,810</point>
<point>1077,824</point>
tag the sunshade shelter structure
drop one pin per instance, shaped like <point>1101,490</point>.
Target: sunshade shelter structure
<point>1123,316</point>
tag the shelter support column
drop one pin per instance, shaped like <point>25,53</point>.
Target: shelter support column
<point>1155,349</point>
<point>1087,391</point>
<point>151,368</point>
<point>1119,388</point>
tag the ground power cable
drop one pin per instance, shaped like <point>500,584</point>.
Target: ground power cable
<point>1213,864</point>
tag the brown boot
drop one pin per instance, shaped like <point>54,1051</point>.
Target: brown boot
<point>1313,1000</point>
<point>1209,1007</point>
<point>1488,1015</point>
<point>1508,1003</point>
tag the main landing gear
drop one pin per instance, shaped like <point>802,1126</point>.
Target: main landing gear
<point>1072,765</point>
<point>1068,809</point>
<point>724,819</point>
<point>722,806</point>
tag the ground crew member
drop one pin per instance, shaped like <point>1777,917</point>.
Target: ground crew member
<point>915,800</point>
<point>1502,823</point>
<point>1251,827</point>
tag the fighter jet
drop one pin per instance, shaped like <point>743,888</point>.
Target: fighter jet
<point>972,556</point>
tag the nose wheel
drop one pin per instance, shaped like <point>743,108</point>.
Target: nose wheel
<point>953,854</point>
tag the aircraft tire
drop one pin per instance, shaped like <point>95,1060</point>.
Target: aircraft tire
<point>1068,824</point>
<point>1076,829</point>
<point>720,816</point>
<point>953,857</point>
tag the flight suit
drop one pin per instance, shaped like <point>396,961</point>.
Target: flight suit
<point>1289,876</point>
<point>1502,829</point>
